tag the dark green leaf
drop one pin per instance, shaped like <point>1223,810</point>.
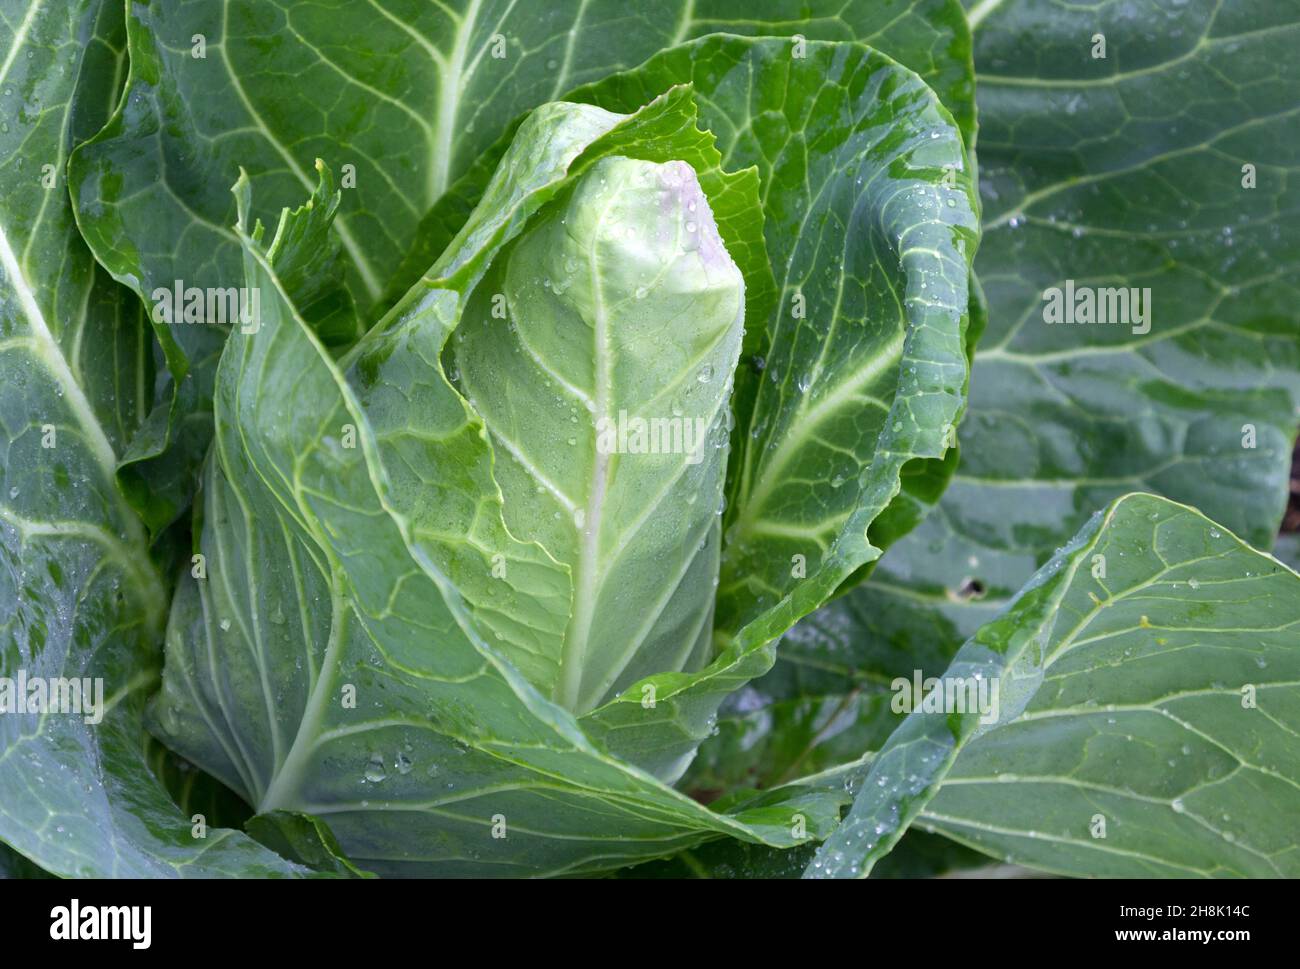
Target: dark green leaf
<point>1125,171</point>
<point>303,839</point>
<point>1144,723</point>
<point>82,598</point>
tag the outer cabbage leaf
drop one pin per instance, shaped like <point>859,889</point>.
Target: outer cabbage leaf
<point>1123,171</point>
<point>81,597</point>
<point>918,855</point>
<point>1147,712</point>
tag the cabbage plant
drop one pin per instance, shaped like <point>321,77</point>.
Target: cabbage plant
<point>471,573</point>
<point>495,480</point>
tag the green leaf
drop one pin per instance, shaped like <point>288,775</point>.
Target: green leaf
<point>826,699</point>
<point>622,313</point>
<point>761,742</point>
<point>303,839</point>
<point>1146,682</point>
<point>918,855</point>
<point>83,600</point>
<point>1123,171</point>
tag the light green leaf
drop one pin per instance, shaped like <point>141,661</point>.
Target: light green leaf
<point>662,132</point>
<point>606,398</point>
<point>82,598</point>
<point>1145,723</point>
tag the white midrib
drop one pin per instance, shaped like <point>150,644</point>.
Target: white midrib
<point>562,77</point>
<point>449,103</point>
<point>287,782</point>
<point>20,38</point>
<point>684,24</point>
<point>73,395</point>
<point>578,639</point>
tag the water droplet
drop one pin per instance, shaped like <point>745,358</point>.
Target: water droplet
<point>375,770</point>
<point>705,374</point>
